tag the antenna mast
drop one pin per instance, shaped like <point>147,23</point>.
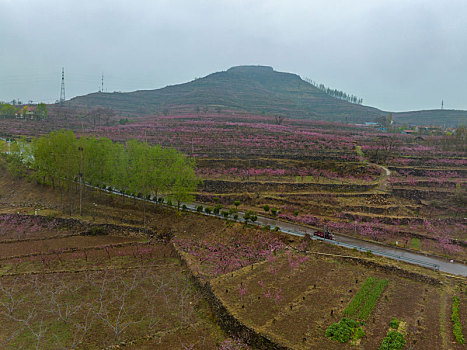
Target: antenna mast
<point>62,88</point>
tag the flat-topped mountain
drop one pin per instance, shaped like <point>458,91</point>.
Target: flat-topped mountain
<point>253,89</point>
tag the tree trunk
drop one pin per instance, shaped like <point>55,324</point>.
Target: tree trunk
<point>70,197</point>
<point>144,215</point>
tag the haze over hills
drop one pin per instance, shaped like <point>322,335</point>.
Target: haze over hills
<point>443,117</point>
<point>259,90</point>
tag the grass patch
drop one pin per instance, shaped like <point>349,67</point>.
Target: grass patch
<point>415,243</point>
<point>360,297</point>
<point>365,300</point>
<point>372,299</point>
<point>457,330</point>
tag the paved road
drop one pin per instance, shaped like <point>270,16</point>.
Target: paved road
<point>351,242</point>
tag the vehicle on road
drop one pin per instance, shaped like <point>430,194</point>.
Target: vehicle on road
<point>324,234</point>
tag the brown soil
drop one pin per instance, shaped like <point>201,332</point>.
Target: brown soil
<point>314,297</point>
<point>179,306</point>
<point>315,288</point>
<point>51,245</point>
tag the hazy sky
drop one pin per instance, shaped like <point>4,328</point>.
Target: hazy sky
<point>395,54</point>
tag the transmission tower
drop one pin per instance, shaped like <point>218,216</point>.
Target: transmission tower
<point>62,88</point>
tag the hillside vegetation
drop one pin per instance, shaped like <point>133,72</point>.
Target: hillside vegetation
<point>255,89</point>
<point>258,90</point>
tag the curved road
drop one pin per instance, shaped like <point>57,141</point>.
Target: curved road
<point>351,242</point>
<point>377,249</point>
<point>290,228</point>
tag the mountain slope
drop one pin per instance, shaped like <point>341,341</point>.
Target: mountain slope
<point>254,89</point>
<point>258,90</point>
<point>442,117</point>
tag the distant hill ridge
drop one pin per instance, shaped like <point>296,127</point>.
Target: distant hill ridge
<point>253,89</point>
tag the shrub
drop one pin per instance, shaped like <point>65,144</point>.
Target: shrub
<point>199,208</point>
<point>96,231</point>
<point>217,209</point>
<point>266,208</point>
<point>273,211</point>
<point>235,216</point>
<point>342,331</point>
<point>184,207</point>
<point>250,215</point>
<point>225,214</point>
<point>457,329</point>
<point>160,200</point>
<point>207,210</point>
<point>169,202</point>
<point>295,213</point>
<point>393,341</point>
<point>237,203</point>
<point>233,210</point>
<point>394,324</point>
<point>358,333</point>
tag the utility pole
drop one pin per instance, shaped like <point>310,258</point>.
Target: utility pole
<point>62,88</point>
<point>80,149</point>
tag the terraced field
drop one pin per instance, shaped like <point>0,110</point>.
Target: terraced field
<point>310,172</point>
<point>313,292</point>
<point>64,288</point>
<point>257,274</point>
<point>321,173</point>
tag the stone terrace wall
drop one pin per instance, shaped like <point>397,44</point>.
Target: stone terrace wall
<point>226,320</point>
<point>222,186</point>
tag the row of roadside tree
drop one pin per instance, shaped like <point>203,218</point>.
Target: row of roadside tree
<point>136,168</point>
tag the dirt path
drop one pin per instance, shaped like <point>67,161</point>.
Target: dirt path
<point>383,182</point>
<point>443,318</point>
